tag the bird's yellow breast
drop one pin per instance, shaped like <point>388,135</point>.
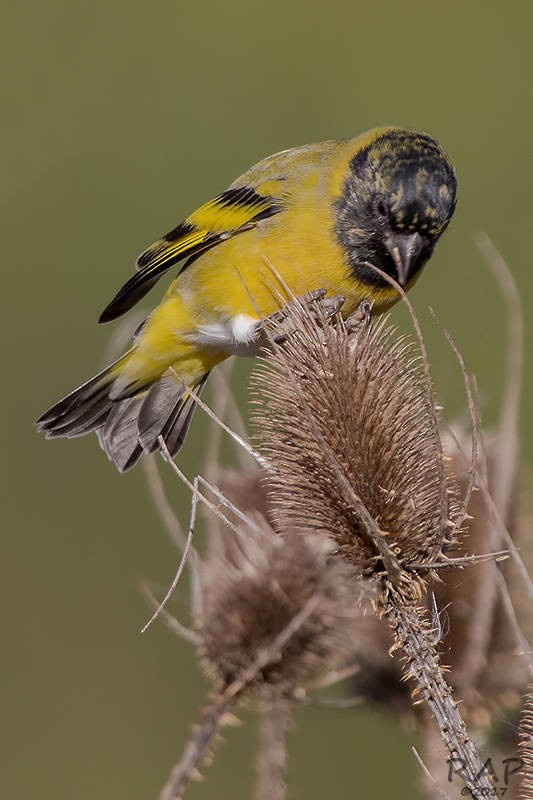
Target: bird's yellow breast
<point>300,244</point>
<point>254,272</point>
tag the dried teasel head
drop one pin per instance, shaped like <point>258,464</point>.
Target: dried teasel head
<point>257,584</point>
<point>274,615</point>
<point>350,430</point>
<point>348,424</point>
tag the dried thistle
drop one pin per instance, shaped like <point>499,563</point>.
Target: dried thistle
<point>254,590</point>
<point>353,451</point>
<point>486,617</point>
<point>349,427</point>
<point>347,423</point>
<point>273,615</point>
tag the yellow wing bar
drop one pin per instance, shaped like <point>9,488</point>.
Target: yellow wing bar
<point>232,212</point>
<point>232,209</point>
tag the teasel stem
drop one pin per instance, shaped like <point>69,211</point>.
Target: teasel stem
<point>417,641</point>
<point>525,748</point>
<point>200,745</point>
<point>198,748</point>
<point>272,754</point>
<point>508,443</point>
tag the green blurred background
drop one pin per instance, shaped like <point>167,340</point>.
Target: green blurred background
<point>119,118</point>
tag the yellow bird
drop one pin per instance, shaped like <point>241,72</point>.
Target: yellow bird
<point>321,214</point>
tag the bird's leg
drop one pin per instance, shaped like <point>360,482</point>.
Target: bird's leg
<point>329,307</point>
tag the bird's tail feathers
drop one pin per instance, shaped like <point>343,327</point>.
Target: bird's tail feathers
<point>118,435</point>
<point>86,408</point>
<point>167,411</point>
<point>134,425</point>
<point>126,427</point>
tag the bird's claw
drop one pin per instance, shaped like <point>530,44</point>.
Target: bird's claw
<point>360,317</point>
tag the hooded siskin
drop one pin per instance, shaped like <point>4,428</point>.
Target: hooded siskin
<point>321,215</point>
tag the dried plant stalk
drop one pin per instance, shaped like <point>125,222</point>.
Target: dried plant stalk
<point>255,583</point>
<point>525,748</point>
<point>415,638</point>
<point>198,749</point>
<point>508,426</point>
<point>349,428</point>
<point>275,615</point>
<point>351,415</point>
<point>272,753</point>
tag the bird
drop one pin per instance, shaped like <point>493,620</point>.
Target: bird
<point>321,215</point>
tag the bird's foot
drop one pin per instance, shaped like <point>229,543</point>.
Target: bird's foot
<point>283,323</point>
<point>360,317</point>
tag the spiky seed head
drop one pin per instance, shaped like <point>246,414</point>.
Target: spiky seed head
<point>342,415</point>
<point>254,588</point>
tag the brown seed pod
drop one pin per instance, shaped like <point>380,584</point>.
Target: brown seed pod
<point>274,615</point>
<point>350,429</point>
<point>348,423</point>
<point>256,585</point>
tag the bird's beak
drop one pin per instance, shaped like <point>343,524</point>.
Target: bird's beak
<point>404,249</point>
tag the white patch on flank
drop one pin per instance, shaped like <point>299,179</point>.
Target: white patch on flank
<point>243,328</point>
<point>236,336</point>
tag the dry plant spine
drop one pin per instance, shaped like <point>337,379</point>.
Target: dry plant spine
<point>347,415</point>
<point>374,484</point>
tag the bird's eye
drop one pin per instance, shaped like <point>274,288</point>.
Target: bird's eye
<point>381,208</point>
